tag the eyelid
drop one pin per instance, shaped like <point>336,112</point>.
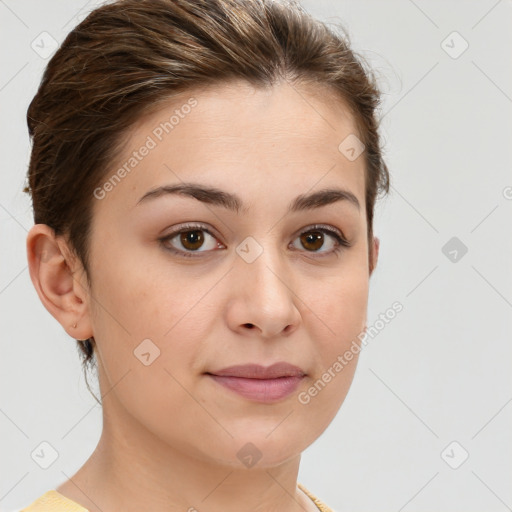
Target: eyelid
<point>327,228</point>
<point>191,226</point>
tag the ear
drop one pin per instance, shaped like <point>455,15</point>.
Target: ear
<point>59,279</point>
<point>374,254</point>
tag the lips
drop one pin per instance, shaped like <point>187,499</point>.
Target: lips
<point>256,371</point>
<point>260,383</point>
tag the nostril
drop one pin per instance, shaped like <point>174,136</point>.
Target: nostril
<point>249,326</point>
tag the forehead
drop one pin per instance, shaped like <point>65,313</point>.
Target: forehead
<point>235,136</point>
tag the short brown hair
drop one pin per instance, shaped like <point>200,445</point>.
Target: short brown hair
<point>129,55</point>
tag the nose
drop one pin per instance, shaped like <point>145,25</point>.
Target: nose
<point>262,298</point>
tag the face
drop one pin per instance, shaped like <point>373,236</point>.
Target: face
<point>237,237</point>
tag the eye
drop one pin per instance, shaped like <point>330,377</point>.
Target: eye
<point>320,239</point>
<point>190,239</point>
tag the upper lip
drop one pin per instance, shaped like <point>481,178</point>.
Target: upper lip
<point>256,371</point>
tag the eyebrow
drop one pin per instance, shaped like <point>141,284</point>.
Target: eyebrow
<point>215,196</point>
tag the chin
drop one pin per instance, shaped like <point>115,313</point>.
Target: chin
<point>261,448</point>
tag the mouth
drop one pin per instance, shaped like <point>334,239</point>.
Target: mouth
<point>259,383</point>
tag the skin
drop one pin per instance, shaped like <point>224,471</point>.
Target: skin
<point>170,434</point>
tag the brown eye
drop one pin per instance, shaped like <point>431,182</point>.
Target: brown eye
<point>320,240</point>
<point>192,240</point>
<point>312,240</point>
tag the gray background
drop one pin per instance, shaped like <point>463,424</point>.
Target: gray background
<point>438,373</point>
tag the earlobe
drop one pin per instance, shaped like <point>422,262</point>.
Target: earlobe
<point>54,274</point>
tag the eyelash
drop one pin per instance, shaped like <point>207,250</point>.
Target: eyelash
<point>342,243</point>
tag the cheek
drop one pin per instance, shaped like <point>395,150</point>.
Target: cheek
<point>150,328</point>
<point>335,335</point>
<point>140,309</point>
<point>339,308</point>
<point>136,295</point>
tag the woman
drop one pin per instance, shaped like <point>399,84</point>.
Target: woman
<point>203,176</point>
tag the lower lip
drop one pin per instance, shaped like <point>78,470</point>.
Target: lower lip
<point>260,390</point>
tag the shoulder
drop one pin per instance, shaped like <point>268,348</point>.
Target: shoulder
<point>52,501</point>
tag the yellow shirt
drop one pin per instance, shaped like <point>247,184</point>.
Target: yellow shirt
<point>52,501</point>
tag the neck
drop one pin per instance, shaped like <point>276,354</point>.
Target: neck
<point>131,469</point>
